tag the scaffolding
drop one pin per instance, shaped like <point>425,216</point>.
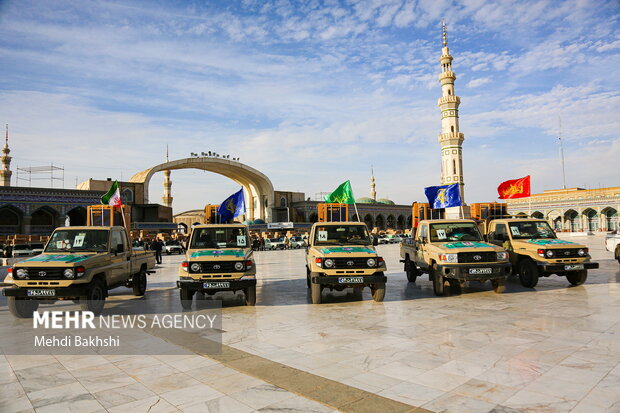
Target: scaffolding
<point>37,171</point>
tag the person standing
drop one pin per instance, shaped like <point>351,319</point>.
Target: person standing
<point>157,246</point>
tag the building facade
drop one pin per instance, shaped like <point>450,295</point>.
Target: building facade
<point>573,209</point>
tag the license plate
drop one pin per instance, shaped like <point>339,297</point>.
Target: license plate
<point>42,293</point>
<point>573,267</point>
<point>223,284</point>
<point>350,280</point>
<point>475,271</point>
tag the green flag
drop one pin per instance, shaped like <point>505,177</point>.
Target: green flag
<point>113,196</point>
<point>343,194</point>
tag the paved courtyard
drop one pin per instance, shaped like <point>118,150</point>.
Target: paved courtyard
<point>555,349</point>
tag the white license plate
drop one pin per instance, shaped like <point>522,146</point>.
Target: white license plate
<point>573,267</point>
<point>42,293</point>
<point>350,280</point>
<point>475,271</point>
<point>223,284</point>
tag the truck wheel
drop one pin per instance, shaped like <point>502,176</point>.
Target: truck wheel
<point>95,298</point>
<point>455,287</point>
<point>499,286</point>
<point>618,253</point>
<point>438,282</point>
<point>138,284</point>
<point>378,292</point>
<point>577,277</point>
<point>308,282</point>
<point>186,298</point>
<point>528,273</point>
<point>315,290</point>
<point>250,295</point>
<point>411,270</point>
<point>22,308</point>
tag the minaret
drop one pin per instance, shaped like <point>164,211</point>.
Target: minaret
<point>450,138</point>
<point>5,172</point>
<point>167,198</point>
<point>373,192</point>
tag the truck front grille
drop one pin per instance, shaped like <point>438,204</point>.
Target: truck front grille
<point>476,257</point>
<point>351,262</point>
<point>216,267</point>
<point>46,273</point>
<point>566,253</point>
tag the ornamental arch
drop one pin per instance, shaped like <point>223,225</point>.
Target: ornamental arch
<point>610,219</point>
<point>10,220</point>
<point>258,189</point>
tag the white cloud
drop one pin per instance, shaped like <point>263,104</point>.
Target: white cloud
<point>478,82</point>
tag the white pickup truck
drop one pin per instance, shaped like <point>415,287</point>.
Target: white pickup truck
<point>612,243</point>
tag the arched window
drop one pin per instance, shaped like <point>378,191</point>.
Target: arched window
<point>283,202</point>
<point>126,196</point>
<point>452,129</point>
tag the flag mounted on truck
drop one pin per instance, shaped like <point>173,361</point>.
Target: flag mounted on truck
<point>113,196</point>
<point>232,206</point>
<point>445,196</point>
<point>342,195</point>
<point>514,188</point>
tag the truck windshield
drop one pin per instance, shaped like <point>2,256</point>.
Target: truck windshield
<point>342,235</point>
<point>219,237</point>
<point>455,231</point>
<point>531,230</point>
<point>95,240</point>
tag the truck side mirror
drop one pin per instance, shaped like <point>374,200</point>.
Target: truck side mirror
<point>120,248</point>
<point>375,241</point>
<point>500,237</point>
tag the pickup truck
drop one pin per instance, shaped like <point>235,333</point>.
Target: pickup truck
<point>219,258</point>
<point>453,253</point>
<point>535,251</point>
<point>612,243</point>
<point>341,255</point>
<point>80,264</point>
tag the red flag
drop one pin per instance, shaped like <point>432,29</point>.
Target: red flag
<point>515,188</point>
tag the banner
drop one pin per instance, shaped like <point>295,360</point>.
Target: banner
<point>445,196</point>
<point>232,206</point>
<point>515,188</point>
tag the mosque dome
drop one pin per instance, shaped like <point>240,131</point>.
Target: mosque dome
<point>365,200</point>
<point>386,201</point>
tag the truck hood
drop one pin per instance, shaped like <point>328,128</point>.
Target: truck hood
<point>57,260</point>
<point>219,254</point>
<point>361,251</point>
<point>545,243</point>
<point>465,246</point>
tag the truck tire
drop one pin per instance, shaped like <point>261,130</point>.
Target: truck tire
<point>95,298</point>
<point>455,287</point>
<point>577,277</point>
<point>378,292</point>
<point>138,284</point>
<point>438,282</point>
<point>22,308</point>
<point>308,282</point>
<point>528,273</point>
<point>411,270</point>
<point>499,286</point>
<point>186,298</point>
<point>617,253</point>
<point>250,295</point>
<point>315,290</point>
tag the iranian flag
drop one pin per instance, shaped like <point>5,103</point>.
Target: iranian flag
<point>113,196</point>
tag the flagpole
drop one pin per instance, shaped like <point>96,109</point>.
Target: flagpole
<point>357,212</point>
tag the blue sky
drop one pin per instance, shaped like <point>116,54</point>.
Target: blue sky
<point>312,93</point>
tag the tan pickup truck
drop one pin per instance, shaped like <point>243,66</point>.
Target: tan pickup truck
<point>341,255</point>
<point>81,264</point>
<point>219,258</point>
<point>453,252</point>
<point>535,251</point>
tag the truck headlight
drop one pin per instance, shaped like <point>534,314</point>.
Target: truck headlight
<point>21,273</point>
<point>549,254</point>
<point>68,273</point>
<point>195,267</point>
<point>449,257</point>
<point>502,256</point>
<point>371,262</point>
<point>239,266</point>
<point>329,263</point>
<point>582,252</point>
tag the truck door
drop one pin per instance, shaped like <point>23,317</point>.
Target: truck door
<point>498,234</point>
<point>420,246</point>
<point>121,261</point>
